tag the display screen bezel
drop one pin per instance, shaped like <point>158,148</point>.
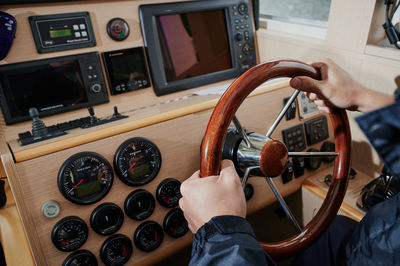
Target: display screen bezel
<point>148,14</point>
<point>11,117</point>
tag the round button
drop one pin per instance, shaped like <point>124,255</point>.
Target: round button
<point>50,209</point>
<point>107,218</point>
<point>95,88</point>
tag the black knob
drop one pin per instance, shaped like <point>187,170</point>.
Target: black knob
<point>91,110</point>
<point>328,146</point>
<point>39,129</point>
<point>238,37</point>
<point>312,163</point>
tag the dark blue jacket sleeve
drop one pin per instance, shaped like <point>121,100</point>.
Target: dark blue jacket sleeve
<point>227,240</point>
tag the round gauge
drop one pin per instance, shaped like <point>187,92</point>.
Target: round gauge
<point>69,234</point>
<point>139,204</point>
<point>85,178</point>
<point>80,258</point>
<point>137,161</point>
<point>168,192</point>
<point>107,218</point>
<point>118,29</point>
<point>175,223</point>
<point>148,236</point>
<point>116,250</point>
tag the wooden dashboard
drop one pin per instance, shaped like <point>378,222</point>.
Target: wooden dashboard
<point>175,123</point>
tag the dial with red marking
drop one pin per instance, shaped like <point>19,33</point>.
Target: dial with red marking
<point>85,178</point>
<point>80,258</point>
<point>168,192</point>
<point>148,236</point>
<point>137,161</point>
<point>69,234</point>
<point>175,224</point>
<point>116,250</point>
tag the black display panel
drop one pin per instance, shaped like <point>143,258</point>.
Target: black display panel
<point>194,43</point>
<point>46,87</point>
<point>189,44</point>
<point>51,85</point>
<point>126,70</point>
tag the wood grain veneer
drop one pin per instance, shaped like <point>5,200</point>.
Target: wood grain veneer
<point>178,140</point>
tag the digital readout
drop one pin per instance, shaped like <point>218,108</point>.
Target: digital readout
<point>60,33</point>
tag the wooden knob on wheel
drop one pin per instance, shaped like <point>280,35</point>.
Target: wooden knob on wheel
<point>274,158</point>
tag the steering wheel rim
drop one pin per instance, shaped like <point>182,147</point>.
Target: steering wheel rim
<point>214,138</point>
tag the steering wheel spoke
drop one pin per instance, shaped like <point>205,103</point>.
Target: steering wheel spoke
<point>282,113</point>
<point>247,174</point>
<point>313,154</point>
<point>283,204</point>
<point>241,131</point>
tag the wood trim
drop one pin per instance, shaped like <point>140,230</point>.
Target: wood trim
<point>15,186</point>
<point>73,141</point>
<point>347,209</point>
<point>12,233</point>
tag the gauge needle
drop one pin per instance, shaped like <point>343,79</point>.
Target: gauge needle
<point>131,166</point>
<point>75,186</point>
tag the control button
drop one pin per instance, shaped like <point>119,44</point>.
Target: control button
<point>247,26</point>
<point>240,56</point>
<point>238,37</point>
<point>94,76</point>
<point>236,21</point>
<point>90,77</point>
<point>50,209</point>
<point>95,88</point>
<point>118,88</point>
<point>242,9</point>
<point>75,27</point>
<point>235,13</point>
<point>246,17</point>
<point>77,34</point>
<point>241,20</point>
<point>82,26</point>
<point>144,82</point>
<point>246,49</point>
<point>237,27</point>
<point>234,7</point>
<point>90,67</point>
<point>84,33</point>
<point>240,44</point>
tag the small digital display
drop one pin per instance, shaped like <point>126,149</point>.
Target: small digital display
<point>193,43</point>
<point>48,86</point>
<point>126,69</point>
<point>60,33</point>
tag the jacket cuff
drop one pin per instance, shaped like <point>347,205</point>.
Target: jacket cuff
<point>225,224</point>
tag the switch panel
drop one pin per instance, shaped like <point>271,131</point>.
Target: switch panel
<point>316,130</point>
<point>287,176</point>
<point>294,138</point>
<point>298,166</point>
<point>291,111</point>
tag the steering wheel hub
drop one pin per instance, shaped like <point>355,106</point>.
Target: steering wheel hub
<point>274,158</point>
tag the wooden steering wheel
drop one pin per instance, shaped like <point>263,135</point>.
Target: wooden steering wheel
<point>273,155</point>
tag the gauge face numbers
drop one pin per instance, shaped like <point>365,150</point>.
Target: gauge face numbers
<point>69,234</point>
<point>168,192</point>
<point>175,224</point>
<point>107,219</point>
<point>118,29</point>
<point>116,250</point>
<point>139,204</point>
<point>80,258</point>
<point>85,178</point>
<point>148,236</point>
<point>137,161</point>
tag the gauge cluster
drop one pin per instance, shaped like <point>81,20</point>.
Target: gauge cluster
<point>86,178</point>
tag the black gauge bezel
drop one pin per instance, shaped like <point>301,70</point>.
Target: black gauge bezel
<point>62,223</point>
<point>140,229</point>
<point>80,253</point>
<point>98,196</point>
<point>109,30</point>
<point>119,171</point>
<point>170,215</point>
<point>160,189</point>
<point>133,196</point>
<point>108,241</point>
<point>112,229</point>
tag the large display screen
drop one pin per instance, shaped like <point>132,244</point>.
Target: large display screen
<point>45,87</point>
<point>193,44</point>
